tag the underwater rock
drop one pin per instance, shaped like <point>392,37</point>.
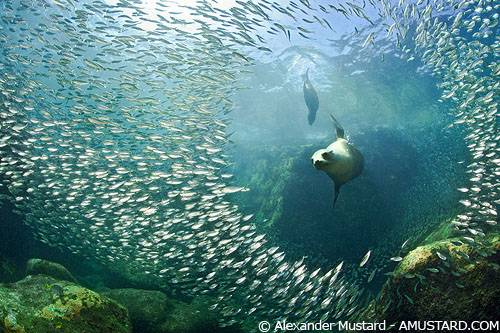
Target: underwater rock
<point>8,270</point>
<point>421,290</point>
<point>192,317</point>
<point>147,308</point>
<point>153,312</point>
<point>443,231</point>
<point>41,304</point>
<point>40,266</point>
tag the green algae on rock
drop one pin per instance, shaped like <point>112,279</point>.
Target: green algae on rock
<point>444,280</point>
<point>41,304</point>
<point>37,266</point>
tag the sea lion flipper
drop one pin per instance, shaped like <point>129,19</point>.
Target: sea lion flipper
<point>336,194</point>
<point>311,116</point>
<point>338,128</point>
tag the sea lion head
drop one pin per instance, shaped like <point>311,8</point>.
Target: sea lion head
<point>323,159</point>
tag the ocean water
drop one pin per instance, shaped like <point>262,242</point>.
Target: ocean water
<point>169,142</point>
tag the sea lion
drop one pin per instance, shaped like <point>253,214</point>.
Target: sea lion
<point>311,98</point>
<point>340,160</point>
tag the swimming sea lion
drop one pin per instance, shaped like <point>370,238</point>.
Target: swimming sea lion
<point>340,160</point>
<point>311,98</point>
